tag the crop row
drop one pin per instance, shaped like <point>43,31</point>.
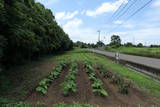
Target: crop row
<point>44,83</point>
<point>97,84</point>
<point>122,83</point>
<point>70,84</point>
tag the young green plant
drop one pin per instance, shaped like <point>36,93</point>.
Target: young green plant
<point>44,83</point>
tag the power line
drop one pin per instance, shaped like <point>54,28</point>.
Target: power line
<point>133,14</point>
<point>123,8</point>
<point>125,11</point>
<point>117,10</point>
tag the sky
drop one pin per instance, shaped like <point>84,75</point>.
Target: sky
<point>81,19</point>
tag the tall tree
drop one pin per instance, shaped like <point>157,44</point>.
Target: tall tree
<point>28,30</point>
<point>115,40</point>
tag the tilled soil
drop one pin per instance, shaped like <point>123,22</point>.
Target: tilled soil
<point>134,98</point>
<point>84,94</point>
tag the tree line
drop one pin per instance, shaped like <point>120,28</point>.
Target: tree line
<point>115,42</point>
<point>28,30</point>
<point>80,44</point>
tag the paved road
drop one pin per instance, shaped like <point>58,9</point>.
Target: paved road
<point>149,62</point>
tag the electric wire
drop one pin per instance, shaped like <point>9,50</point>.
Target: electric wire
<point>139,9</point>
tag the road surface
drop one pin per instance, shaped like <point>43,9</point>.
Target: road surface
<point>149,62</point>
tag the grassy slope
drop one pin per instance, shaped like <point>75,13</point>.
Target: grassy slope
<point>148,52</point>
<point>142,81</point>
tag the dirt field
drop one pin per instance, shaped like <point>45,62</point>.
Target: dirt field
<point>84,94</point>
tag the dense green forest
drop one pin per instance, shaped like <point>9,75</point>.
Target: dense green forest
<point>28,30</point>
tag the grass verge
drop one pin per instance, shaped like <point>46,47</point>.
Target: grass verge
<point>146,51</point>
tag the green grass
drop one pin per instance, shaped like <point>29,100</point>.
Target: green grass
<point>73,105</point>
<point>142,81</point>
<point>42,104</point>
<point>145,51</point>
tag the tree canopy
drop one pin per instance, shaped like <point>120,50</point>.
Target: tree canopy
<point>115,41</point>
<point>27,30</point>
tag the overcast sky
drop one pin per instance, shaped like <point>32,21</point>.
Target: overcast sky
<point>82,18</point>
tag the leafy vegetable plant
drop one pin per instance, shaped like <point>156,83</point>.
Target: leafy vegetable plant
<point>41,90</point>
<point>44,83</point>
<point>70,85</point>
<point>97,84</point>
<point>101,92</point>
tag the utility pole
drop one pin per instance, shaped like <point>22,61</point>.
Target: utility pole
<point>99,32</point>
<point>134,41</point>
<point>145,43</point>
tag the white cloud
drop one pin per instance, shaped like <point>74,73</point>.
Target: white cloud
<point>60,15</point>
<point>66,15</point>
<point>78,33</point>
<point>156,3</point>
<point>73,23</point>
<point>105,7</point>
<point>118,22</point>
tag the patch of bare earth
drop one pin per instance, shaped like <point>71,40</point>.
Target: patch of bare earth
<point>25,78</point>
<point>134,98</point>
